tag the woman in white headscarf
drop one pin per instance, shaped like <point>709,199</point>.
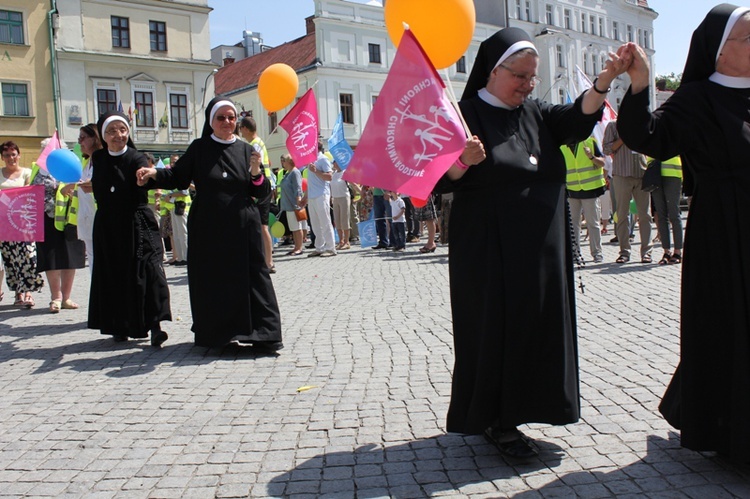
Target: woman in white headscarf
<point>231,293</point>
<point>129,293</point>
<point>512,297</point>
<point>706,122</point>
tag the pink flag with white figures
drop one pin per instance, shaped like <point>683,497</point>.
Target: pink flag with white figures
<point>53,144</point>
<point>413,134</point>
<point>301,123</point>
<point>22,214</point>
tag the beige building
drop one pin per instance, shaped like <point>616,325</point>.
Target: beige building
<point>27,113</point>
<point>150,58</point>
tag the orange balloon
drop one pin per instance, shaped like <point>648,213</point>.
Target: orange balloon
<point>444,28</point>
<point>277,87</point>
<point>418,203</point>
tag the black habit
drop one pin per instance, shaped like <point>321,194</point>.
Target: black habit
<point>511,273</point>
<point>129,292</point>
<point>231,293</point>
<point>707,124</point>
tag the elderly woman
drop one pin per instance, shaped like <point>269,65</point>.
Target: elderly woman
<point>129,293</point>
<point>291,195</point>
<point>19,258</point>
<point>231,293</point>
<point>706,122</point>
<point>513,297</point>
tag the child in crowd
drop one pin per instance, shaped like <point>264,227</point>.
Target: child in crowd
<point>398,221</point>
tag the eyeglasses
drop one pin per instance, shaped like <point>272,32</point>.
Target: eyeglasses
<point>116,131</point>
<point>222,117</point>
<point>532,80</point>
<point>745,39</point>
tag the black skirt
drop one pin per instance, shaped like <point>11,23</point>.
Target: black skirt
<point>60,250</point>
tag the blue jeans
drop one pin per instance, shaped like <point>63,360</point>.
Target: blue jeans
<point>379,207</point>
<point>398,233</point>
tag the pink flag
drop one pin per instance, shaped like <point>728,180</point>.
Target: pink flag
<point>53,144</point>
<point>301,123</point>
<point>22,214</point>
<point>609,113</point>
<point>413,134</point>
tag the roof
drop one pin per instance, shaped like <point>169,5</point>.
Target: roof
<point>245,73</point>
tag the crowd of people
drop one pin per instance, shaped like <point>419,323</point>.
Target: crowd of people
<point>530,168</point>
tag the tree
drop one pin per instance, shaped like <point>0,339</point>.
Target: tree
<point>668,82</point>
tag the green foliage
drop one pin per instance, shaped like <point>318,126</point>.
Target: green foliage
<point>668,82</point>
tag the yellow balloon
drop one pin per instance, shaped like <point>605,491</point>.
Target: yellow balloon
<point>444,28</point>
<point>278,230</point>
<point>277,87</point>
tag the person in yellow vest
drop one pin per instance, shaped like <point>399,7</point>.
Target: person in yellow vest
<point>248,130</point>
<point>61,252</point>
<point>667,202</point>
<point>585,183</point>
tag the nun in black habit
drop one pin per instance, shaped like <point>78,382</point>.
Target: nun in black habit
<point>231,293</point>
<point>707,122</point>
<point>511,273</point>
<point>129,293</point>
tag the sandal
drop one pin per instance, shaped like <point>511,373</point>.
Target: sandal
<point>622,259</point>
<point>69,304</point>
<point>295,253</point>
<point>425,249</point>
<point>665,259</point>
<point>19,300</point>
<point>2,294</point>
<point>54,306</point>
<point>646,259</point>
<point>28,302</point>
<point>675,258</point>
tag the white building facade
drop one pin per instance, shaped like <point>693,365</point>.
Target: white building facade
<point>150,58</point>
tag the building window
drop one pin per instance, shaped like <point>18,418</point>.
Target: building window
<point>568,21</point>
<point>519,10</point>
<point>178,110</point>
<point>273,122</point>
<point>630,33</point>
<point>374,50</point>
<point>158,32</point>
<point>15,99</point>
<point>615,30</point>
<point>550,15</point>
<point>583,22</point>
<point>11,27</point>
<point>144,109</point>
<point>646,39</point>
<point>461,65</point>
<point>527,4</point>
<point>601,27</point>
<point>560,57</point>
<point>120,32</point>
<point>593,64</point>
<point>563,95</point>
<point>373,100</point>
<point>106,100</point>
<point>347,108</point>
<point>586,64</point>
<point>592,21</point>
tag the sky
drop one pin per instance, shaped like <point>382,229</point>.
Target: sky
<point>282,20</point>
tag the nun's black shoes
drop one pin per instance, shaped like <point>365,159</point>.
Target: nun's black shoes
<point>158,337</point>
<point>268,346</point>
<point>119,338</point>
<point>511,443</point>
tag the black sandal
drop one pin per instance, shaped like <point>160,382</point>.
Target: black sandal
<point>622,259</point>
<point>675,258</point>
<point>666,259</point>
<point>511,443</point>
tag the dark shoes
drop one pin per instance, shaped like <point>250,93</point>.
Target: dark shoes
<point>268,346</point>
<point>511,443</point>
<point>380,246</point>
<point>119,338</point>
<point>159,337</point>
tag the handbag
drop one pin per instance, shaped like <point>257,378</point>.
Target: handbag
<point>301,214</point>
<point>652,177</point>
<point>179,208</point>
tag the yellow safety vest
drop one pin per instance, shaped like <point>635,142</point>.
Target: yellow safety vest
<point>263,156</point>
<point>66,210</point>
<point>582,174</point>
<point>672,168</point>
<point>279,178</point>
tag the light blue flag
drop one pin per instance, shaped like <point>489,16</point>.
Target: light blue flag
<point>337,134</point>
<point>368,234</point>
<point>342,152</point>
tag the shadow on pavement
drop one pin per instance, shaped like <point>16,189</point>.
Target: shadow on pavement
<point>420,468</point>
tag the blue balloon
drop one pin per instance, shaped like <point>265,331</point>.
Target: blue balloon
<point>64,165</point>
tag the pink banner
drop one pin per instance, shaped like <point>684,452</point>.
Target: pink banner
<point>301,123</point>
<point>22,214</point>
<point>53,144</point>
<point>413,134</point>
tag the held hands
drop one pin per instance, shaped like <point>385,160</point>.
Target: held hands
<point>144,174</point>
<point>638,69</point>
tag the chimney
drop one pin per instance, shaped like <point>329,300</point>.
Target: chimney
<point>310,25</point>
<point>228,57</point>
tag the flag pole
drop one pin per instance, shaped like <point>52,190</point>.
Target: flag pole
<point>452,97</point>
<point>279,121</point>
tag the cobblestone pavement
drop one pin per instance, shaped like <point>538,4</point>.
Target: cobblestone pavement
<point>354,406</point>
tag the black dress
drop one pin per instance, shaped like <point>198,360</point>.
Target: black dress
<point>707,124</point>
<point>231,293</point>
<point>511,273</point>
<point>129,290</point>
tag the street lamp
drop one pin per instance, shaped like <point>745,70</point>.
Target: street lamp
<point>205,86</point>
<point>560,77</point>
